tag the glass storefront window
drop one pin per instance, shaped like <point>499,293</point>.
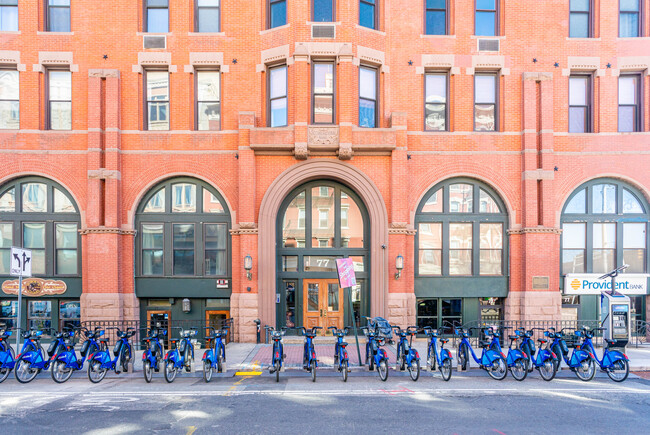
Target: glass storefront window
<point>290,263</point>
<point>66,249</point>
<point>39,314</point>
<point>290,298</point>
<point>183,249</point>
<point>604,247</point>
<point>491,309</point>
<point>319,263</point>
<point>8,313</point>
<point>573,248</point>
<point>460,249</point>
<point>152,249</point>
<point>428,313</point>
<point>352,226</point>
<point>430,248</point>
<point>69,314</point>
<point>491,246</point>
<point>216,258</point>
<point>634,242</point>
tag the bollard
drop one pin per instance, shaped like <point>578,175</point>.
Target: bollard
<point>258,323</point>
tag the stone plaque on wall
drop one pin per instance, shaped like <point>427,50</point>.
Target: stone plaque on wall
<point>540,283</point>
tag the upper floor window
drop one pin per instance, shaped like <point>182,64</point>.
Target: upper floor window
<point>368,101</point>
<point>629,107</point>
<point>58,16</point>
<point>157,16</point>
<point>485,102</point>
<point>579,104</point>
<point>208,17</point>
<point>157,104</point>
<point>580,18</point>
<point>277,92</point>
<point>323,93</point>
<point>436,17</point>
<point>629,24</point>
<point>59,96</point>
<point>208,100</point>
<point>40,215</point>
<point>277,13</point>
<point>323,10</point>
<point>9,100</point>
<point>8,15</point>
<point>435,101</point>
<point>368,13</point>
<point>486,22</point>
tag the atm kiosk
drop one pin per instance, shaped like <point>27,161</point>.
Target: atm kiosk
<point>615,317</point>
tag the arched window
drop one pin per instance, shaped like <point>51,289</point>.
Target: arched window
<point>183,227</point>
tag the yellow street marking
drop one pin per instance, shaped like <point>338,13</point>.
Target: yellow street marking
<point>248,373</point>
<point>191,430</point>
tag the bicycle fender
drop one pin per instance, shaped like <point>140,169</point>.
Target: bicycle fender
<point>544,355</point>
<point>31,357</point>
<point>445,354</point>
<point>578,357</point>
<point>612,356</point>
<point>414,355</point>
<point>172,356</point>
<point>489,357</point>
<point>207,355</point>
<point>514,355</point>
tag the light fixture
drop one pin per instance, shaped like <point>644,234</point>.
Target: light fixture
<point>248,265</point>
<point>187,305</point>
<point>399,265</point>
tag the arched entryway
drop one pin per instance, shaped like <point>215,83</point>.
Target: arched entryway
<point>319,222</point>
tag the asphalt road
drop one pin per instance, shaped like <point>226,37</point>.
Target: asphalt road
<point>470,403</point>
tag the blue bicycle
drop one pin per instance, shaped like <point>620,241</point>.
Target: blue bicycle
<point>31,359</point>
<point>277,355</point>
<point>407,356</point>
<point>442,360</point>
<point>181,356</point>
<point>7,355</point>
<point>309,361</point>
<point>493,362</point>
<point>341,360</point>
<point>100,362</point>
<point>214,358</point>
<point>614,362</point>
<point>66,362</point>
<point>544,361</point>
<point>516,359</point>
<point>375,355</point>
<point>153,352</point>
<point>581,362</point>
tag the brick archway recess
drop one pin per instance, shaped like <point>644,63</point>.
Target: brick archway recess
<point>318,170</point>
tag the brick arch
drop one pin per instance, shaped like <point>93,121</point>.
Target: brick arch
<point>302,173</point>
<point>572,184</point>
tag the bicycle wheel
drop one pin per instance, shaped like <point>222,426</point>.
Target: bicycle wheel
<point>24,372</point>
<point>95,371</point>
<point>382,368</point>
<point>520,369</point>
<point>529,357</point>
<point>344,371</point>
<point>60,373</point>
<point>170,371</point>
<point>277,371</point>
<point>207,370</point>
<point>463,356</point>
<point>619,370</point>
<point>498,370</point>
<point>147,371</point>
<point>219,363</point>
<point>587,370</point>
<point>547,370</point>
<point>557,361</point>
<point>432,363</point>
<point>125,358</point>
<point>445,369</point>
<point>313,371</point>
<point>414,369</point>
<point>4,371</point>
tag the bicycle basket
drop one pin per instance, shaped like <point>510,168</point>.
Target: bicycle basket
<point>84,347</point>
<point>182,346</point>
<point>52,348</point>
<point>116,349</point>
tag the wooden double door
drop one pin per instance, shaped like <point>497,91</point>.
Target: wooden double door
<point>323,302</point>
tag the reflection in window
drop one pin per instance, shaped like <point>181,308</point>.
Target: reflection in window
<point>604,198</point>
<point>34,239</point>
<point>579,19</point>
<point>208,16</point>
<point>278,13</point>
<point>578,203</point>
<point>6,241</point>
<point>367,97</point>
<point>488,205</point>
<point>152,249</point>
<point>352,231</point>
<point>367,13</point>
<point>156,203</point>
<point>630,203</point>
<point>461,198</point>
<point>604,247</point>
<point>491,246</point>
<point>66,249</point>
<point>9,94</point>
<point>157,83</point>
<point>323,91</point>
<point>183,249</point>
<point>211,203</point>
<point>208,106</point>
<point>157,16</point>
<point>629,110</point>
<point>8,313</point>
<point>634,243</point>
<point>9,15</point>
<point>486,18</point>
<point>435,104</point>
<point>485,102</point>
<point>436,17</point>
<point>323,10</point>
<point>34,198</point>
<point>69,314</point>
<point>278,96</point>
<point>216,259</point>
<point>322,222</point>
<point>430,248</point>
<point>312,297</point>
<point>39,314</point>
<point>184,198</point>
<point>434,203</point>
<point>460,249</point>
<point>629,23</point>
<point>60,99</point>
<point>293,229</point>
<point>8,200</point>
<point>62,203</point>
<point>58,15</point>
<point>574,246</point>
<point>579,104</point>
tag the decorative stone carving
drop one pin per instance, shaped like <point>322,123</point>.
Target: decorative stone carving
<point>345,151</point>
<point>301,151</point>
<point>323,137</point>
<point>244,228</point>
<point>401,228</point>
<point>107,230</point>
<point>536,230</point>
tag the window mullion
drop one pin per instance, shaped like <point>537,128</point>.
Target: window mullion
<point>168,247</point>
<point>337,217</point>
<point>445,247</point>
<point>589,246</point>
<point>308,218</point>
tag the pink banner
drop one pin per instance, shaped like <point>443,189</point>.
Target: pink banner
<point>345,269</point>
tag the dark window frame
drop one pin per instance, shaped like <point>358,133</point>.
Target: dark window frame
<point>640,19</point>
<point>639,112</point>
<point>269,68</point>
<point>16,101</point>
<point>48,110</point>
<point>3,6</point>
<point>145,118</point>
<point>196,97</point>
<point>589,126</point>
<point>197,12</point>
<point>376,100</point>
<point>48,18</point>
<point>446,12</point>
<point>496,18</point>
<point>313,12</point>
<point>590,20</point>
<point>145,21</point>
<point>314,94</point>
<point>269,3</point>
<point>447,87</point>
<point>497,99</point>
<point>375,8</point>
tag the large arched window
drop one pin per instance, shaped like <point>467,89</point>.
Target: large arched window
<point>183,227</point>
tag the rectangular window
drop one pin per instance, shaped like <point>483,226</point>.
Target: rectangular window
<point>66,249</point>
<point>368,13</point>
<point>344,217</point>
<point>460,249</point>
<point>301,218</point>
<point>322,218</point>
<point>183,245</point>
<point>34,239</point>
<point>452,314</point>
<point>604,255</point>
<point>152,249</point>
<point>59,99</point>
<point>486,18</point>
<point>208,100</point>
<point>634,243</point>
<point>277,13</point>
<point>580,18</point>
<point>69,314</point>
<point>436,17</point>
<point>323,11</point>
<point>216,245</point>
<point>278,96</point>
<point>157,109</point>
<point>430,249</point>
<point>491,247</point>
<point>9,99</point>
<point>368,97</point>
<point>208,17</point>
<point>58,16</point>
<point>157,16</point>
<point>629,24</point>
<point>435,102</point>
<point>485,102</point>
<point>629,108</point>
<point>323,93</point>
<point>427,313</point>
<point>8,15</point>
<point>574,245</point>
<point>579,104</point>
<point>6,241</point>
<point>8,313</point>
<point>40,314</point>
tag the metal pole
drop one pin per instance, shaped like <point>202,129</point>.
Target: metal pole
<point>19,316</point>
<point>354,324</point>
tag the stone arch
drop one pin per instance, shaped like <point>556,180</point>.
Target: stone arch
<point>283,185</point>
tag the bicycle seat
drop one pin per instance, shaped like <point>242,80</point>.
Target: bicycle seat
<point>444,340</point>
<point>484,343</point>
<point>513,337</point>
<point>103,340</point>
<point>542,340</point>
<point>610,342</point>
<point>310,335</point>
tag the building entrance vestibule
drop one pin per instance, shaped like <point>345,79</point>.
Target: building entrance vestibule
<point>324,305</point>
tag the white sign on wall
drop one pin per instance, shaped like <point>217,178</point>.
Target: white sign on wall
<point>589,284</point>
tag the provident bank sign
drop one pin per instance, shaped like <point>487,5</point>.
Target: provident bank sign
<point>589,284</point>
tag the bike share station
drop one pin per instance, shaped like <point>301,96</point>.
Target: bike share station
<point>615,310</point>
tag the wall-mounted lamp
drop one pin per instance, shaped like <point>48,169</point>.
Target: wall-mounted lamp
<point>399,265</point>
<point>248,265</point>
<point>187,305</point>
